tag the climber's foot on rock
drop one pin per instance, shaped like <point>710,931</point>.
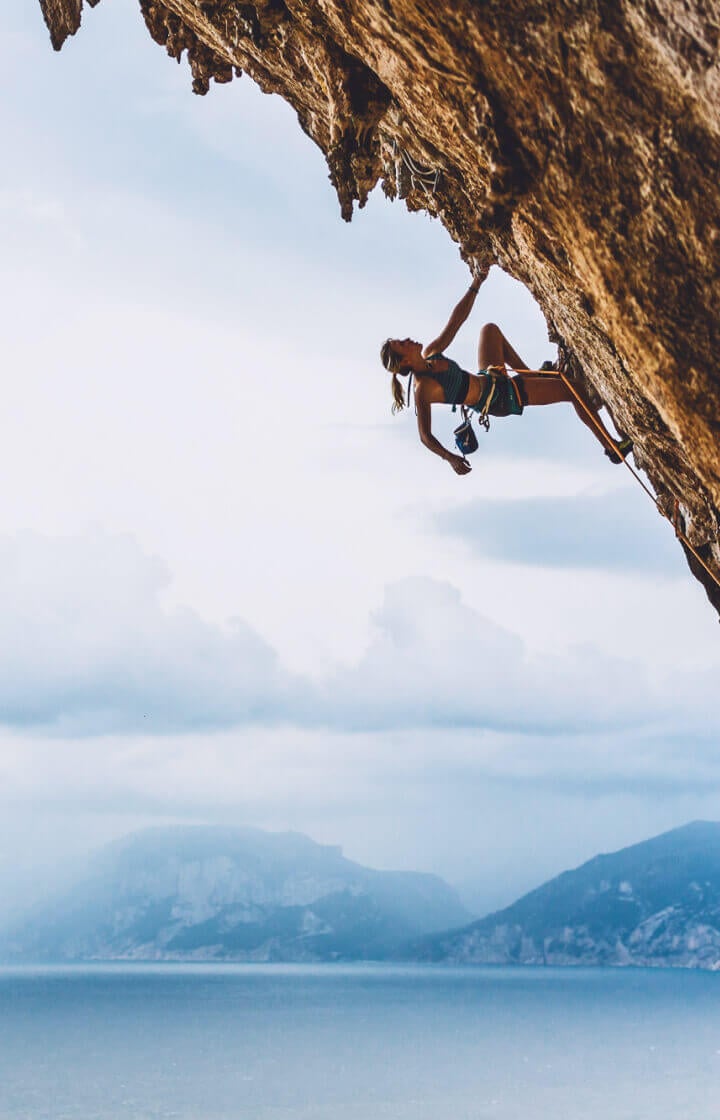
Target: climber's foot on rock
<point>623,447</point>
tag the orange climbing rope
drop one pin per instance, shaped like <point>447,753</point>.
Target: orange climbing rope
<point>675,520</point>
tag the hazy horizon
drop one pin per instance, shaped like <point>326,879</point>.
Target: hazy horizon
<point>68,874</point>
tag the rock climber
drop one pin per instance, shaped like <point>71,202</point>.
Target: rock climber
<point>440,380</point>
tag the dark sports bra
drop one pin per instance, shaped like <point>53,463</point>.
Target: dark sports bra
<point>454,381</point>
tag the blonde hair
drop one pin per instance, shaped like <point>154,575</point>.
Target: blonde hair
<point>392,363</point>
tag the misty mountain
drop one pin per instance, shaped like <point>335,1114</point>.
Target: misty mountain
<point>232,894</point>
<point>655,903</point>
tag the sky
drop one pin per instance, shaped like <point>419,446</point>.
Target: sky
<point>234,589</point>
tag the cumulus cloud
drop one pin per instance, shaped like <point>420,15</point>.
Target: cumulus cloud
<point>90,648</point>
<point>436,663</point>
<point>617,531</point>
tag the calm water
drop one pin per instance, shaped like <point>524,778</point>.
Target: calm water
<point>362,1043</point>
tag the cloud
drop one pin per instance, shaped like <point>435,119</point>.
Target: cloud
<point>89,647</point>
<point>616,531</point>
<point>436,663</point>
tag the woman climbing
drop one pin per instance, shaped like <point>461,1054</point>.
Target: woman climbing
<point>440,380</point>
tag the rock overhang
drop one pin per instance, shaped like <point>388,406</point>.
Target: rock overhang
<point>577,146</point>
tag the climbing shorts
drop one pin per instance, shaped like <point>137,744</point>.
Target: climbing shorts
<point>506,395</point>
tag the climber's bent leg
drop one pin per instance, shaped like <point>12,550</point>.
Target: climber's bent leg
<point>495,350</point>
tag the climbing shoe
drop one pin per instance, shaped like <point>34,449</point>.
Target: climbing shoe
<point>623,447</point>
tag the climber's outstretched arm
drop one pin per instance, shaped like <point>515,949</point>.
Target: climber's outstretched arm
<point>456,320</point>
<point>458,464</point>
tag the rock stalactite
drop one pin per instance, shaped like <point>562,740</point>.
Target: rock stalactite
<point>577,145</point>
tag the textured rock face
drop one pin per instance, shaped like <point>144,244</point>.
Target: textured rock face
<point>575,144</point>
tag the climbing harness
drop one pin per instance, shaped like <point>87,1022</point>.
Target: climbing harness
<point>484,412</point>
<point>465,437</point>
<point>501,392</point>
<point>675,519</point>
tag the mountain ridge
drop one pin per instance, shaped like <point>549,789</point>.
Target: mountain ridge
<point>654,903</point>
<point>197,892</point>
<point>210,893</point>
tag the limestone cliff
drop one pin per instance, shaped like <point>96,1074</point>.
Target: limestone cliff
<point>575,144</point>
<point>209,893</point>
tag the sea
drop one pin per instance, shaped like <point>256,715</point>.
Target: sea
<point>253,1042</point>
